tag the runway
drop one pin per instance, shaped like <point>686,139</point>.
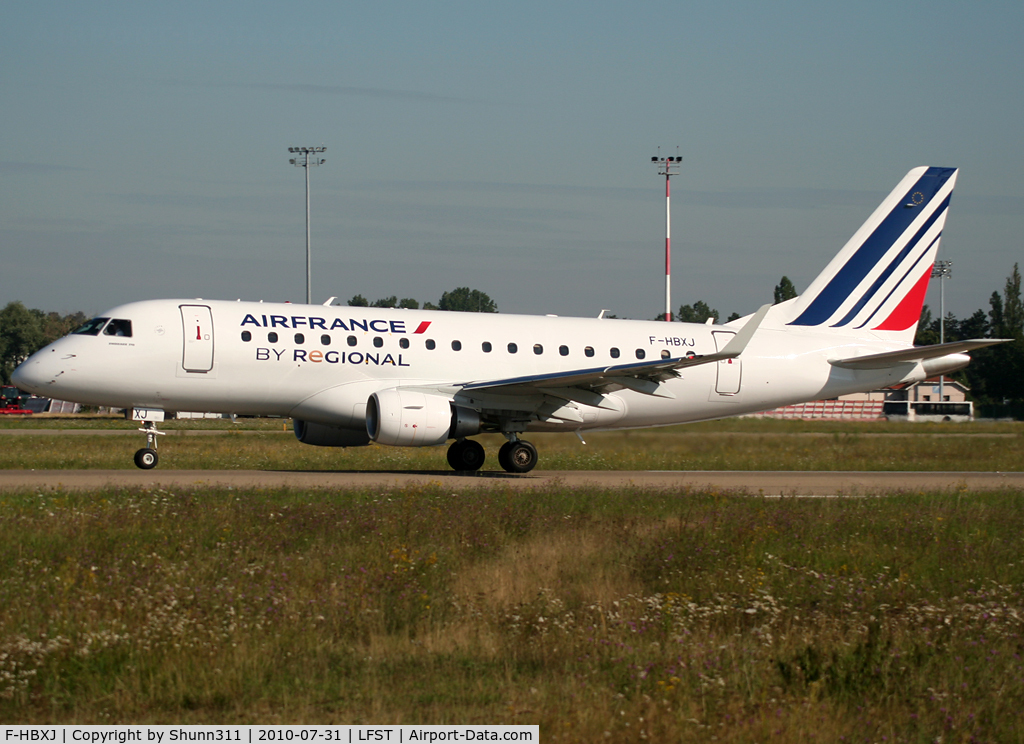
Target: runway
<point>767,483</point>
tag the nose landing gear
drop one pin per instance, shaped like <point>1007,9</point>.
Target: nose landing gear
<point>146,458</point>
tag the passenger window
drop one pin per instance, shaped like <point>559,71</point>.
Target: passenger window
<point>665,354</point>
<point>430,344</point>
<point>299,338</point>
<point>378,341</point>
<point>92,328</point>
<point>404,343</point>
<point>538,349</point>
<point>640,354</point>
<point>615,353</point>
<point>589,351</point>
<point>486,346</point>
<point>456,346</point>
<point>325,340</point>
<point>246,336</point>
<point>272,337</point>
<point>512,348</point>
<point>351,340</point>
<point>563,350</point>
<point>118,327</point>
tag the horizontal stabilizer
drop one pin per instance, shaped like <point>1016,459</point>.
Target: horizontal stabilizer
<point>915,354</point>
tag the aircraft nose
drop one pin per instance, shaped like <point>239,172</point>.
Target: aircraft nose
<point>36,373</point>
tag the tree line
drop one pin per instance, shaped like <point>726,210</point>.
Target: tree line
<point>460,299</point>
<point>995,375</point>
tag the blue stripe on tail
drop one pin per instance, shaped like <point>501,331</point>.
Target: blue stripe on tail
<point>871,251</point>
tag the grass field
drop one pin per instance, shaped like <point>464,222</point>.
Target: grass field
<point>734,444</point>
<point>600,615</point>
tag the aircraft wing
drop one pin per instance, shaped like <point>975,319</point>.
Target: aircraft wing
<point>916,354</point>
<point>643,377</point>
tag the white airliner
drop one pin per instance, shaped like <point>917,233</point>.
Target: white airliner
<point>417,378</point>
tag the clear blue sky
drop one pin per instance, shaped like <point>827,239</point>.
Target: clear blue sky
<point>505,147</point>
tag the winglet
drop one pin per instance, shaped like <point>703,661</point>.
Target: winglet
<point>740,340</point>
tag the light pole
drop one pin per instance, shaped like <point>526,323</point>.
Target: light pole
<point>942,269</point>
<point>305,157</point>
<point>668,167</point>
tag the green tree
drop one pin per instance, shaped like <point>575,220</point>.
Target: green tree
<point>1013,308</point>
<point>784,290</point>
<point>975,326</point>
<point>698,312</point>
<point>996,373</point>
<point>391,301</point>
<point>995,315</point>
<point>55,325</point>
<point>359,301</point>
<point>409,303</point>
<point>466,300</point>
<point>927,328</point>
<point>21,334</point>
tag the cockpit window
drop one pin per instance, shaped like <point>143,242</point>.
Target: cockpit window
<point>92,328</point>
<point>118,327</point>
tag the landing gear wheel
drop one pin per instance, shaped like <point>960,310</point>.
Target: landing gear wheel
<point>517,457</point>
<point>146,458</point>
<point>466,455</point>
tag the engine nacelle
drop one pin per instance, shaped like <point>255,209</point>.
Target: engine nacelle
<point>407,418</point>
<point>322,435</point>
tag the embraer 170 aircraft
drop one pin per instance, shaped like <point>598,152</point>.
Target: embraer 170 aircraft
<point>416,378</point>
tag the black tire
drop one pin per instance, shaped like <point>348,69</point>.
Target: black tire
<point>146,458</point>
<point>466,455</point>
<point>503,460</point>
<point>517,457</point>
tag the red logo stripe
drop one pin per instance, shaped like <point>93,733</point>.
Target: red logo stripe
<point>908,311</point>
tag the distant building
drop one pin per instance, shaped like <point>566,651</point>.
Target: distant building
<point>920,402</point>
<point>907,402</point>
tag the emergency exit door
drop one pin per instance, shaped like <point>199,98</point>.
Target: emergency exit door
<point>729,370</point>
<point>197,326</point>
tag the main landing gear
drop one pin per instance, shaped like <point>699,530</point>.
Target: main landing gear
<point>146,458</point>
<point>515,456</point>
<point>466,455</point>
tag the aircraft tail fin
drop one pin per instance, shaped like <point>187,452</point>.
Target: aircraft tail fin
<point>875,286</point>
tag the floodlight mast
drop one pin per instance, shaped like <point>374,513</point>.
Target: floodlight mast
<point>305,157</point>
<point>668,167</point>
<point>942,269</point>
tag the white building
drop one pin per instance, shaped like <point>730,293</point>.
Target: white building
<point>916,402</point>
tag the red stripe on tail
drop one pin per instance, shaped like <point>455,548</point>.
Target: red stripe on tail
<point>908,311</point>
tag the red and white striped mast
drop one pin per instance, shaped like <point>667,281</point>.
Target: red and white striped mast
<point>668,167</point>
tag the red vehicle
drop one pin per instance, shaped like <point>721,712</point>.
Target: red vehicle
<point>11,400</point>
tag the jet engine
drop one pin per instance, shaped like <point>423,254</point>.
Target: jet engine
<point>408,418</point>
<point>322,435</point>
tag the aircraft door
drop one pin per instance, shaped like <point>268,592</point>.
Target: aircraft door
<point>197,326</point>
<point>729,370</point>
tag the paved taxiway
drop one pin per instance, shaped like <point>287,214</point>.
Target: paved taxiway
<point>770,483</point>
